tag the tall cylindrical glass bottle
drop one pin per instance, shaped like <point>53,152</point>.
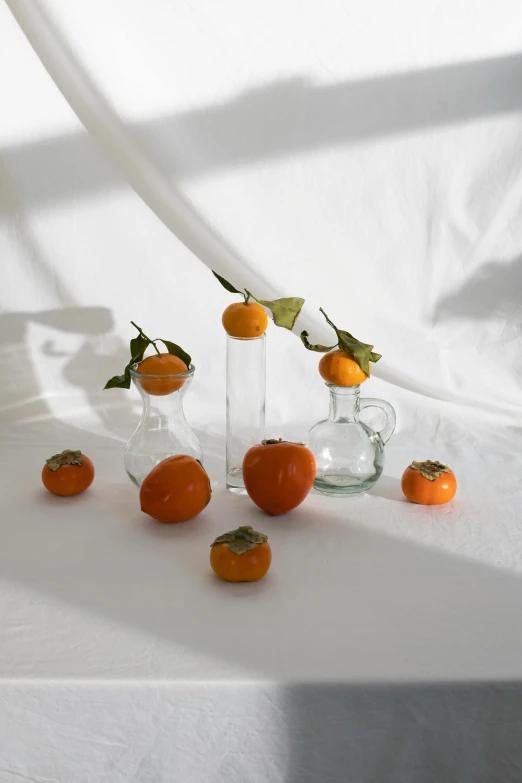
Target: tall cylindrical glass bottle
<point>246,390</point>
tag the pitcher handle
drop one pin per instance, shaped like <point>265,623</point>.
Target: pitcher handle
<point>387,430</point>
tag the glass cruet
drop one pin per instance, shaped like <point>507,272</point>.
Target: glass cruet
<point>163,429</point>
<point>349,454</point>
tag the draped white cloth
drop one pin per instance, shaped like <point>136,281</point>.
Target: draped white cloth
<point>367,158</point>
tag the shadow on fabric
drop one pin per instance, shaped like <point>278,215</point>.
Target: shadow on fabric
<point>278,120</point>
<point>451,732</point>
<point>494,291</point>
<point>20,396</point>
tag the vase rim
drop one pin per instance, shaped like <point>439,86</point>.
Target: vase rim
<point>335,386</point>
<point>246,339</point>
<point>150,376</point>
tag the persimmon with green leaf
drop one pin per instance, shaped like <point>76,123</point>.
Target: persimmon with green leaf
<point>248,319</point>
<point>347,363</point>
<point>159,370</point>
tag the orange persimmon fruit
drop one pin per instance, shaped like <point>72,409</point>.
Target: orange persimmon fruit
<point>245,319</point>
<point>242,555</point>
<point>429,483</point>
<point>68,473</point>
<point>162,364</point>
<point>176,490</point>
<point>278,475</point>
<point>340,369</point>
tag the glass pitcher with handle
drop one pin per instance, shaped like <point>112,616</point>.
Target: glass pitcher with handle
<point>349,453</point>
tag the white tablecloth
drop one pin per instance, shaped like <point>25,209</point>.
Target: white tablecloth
<point>384,644</point>
<point>367,158</point>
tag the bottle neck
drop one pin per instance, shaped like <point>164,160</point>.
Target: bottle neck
<point>344,403</point>
<point>163,409</point>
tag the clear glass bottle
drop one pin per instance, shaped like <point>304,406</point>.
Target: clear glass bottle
<point>163,429</point>
<point>246,391</point>
<point>349,454</point>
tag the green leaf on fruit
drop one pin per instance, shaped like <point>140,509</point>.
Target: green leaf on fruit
<point>284,311</point>
<point>317,347</point>
<point>177,350</point>
<point>119,381</point>
<point>226,284</point>
<point>138,346</point>
<point>362,353</point>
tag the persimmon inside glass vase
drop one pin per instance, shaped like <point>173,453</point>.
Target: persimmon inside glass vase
<point>163,429</point>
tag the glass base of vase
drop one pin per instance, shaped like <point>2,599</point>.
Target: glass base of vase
<point>340,486</point>
<point>235,483</point>
<point>133,479</point>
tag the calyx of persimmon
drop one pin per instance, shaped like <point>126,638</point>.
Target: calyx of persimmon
<point>66,457</point>
<point>138,346</point>
<point>275,441</point>
<point>362,353</point>
<point>284,311</point>
<point>242,540</point>
<point>430,470</point>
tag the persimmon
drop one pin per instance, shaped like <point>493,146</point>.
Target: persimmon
<point>248,319</point>
<point>245,319</point>
<point>242,555</point>
<point>339,368</point>
<point>347,363</point>
<point>278,475</point>
<point>68,473</point>
<point>161,364</point>
<point>429,483</point>
<point>174,363</point>
<point>176,490</point>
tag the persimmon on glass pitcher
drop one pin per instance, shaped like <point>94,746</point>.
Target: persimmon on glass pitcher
<point>349,454</point>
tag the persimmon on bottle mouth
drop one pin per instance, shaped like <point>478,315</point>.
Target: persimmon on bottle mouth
<point>176,357</point>
<point>354,350</point>
<point>285,311</point>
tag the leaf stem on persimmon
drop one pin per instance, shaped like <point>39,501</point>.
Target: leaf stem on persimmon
<point>152,342</point>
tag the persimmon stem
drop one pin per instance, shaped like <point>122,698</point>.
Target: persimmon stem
<point>151,342</point>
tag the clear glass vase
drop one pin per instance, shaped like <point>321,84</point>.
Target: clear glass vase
<point>349,454</point>
<point>163,429</point>
<point>246,390</point>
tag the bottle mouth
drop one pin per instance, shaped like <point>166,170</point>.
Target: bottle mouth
<point>180,376</point>
<point>246,339</point>
<point>343,389</point>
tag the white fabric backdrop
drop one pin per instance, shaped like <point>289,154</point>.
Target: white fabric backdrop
<point>368,159</point>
